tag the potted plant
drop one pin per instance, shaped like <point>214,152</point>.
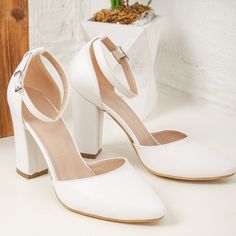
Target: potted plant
<point>136,28</point>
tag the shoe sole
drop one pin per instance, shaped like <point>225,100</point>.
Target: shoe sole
<point>43,172</point>
<point>107,218</point>
<point>90,156</point>
<point>37,174</point>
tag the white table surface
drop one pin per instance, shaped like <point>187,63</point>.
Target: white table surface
<point>30,207</point>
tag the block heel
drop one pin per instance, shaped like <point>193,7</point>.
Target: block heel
<point>87,126</point>
<point>29,159</point>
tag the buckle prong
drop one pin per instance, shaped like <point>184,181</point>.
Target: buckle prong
<point>18,73</point>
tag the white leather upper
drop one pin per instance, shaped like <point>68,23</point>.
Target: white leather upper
<point>82,75</point>
<point>83,78</point>
<point>185,158</point>
<point>18,94</point>
<point>180,159</point>
<point>106,69</point>
<point>118,194</point>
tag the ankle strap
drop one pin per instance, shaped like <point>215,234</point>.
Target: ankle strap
<point>122,59</point>
<point>19,76</point>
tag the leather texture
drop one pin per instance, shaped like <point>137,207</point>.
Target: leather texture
<point>109,189</point>
<point>181,159</point>
<point>82,77</point>
<point>18,83</point>
<point>120,194</point>
<point>119,55</point>
<point>87,124</point>
<point>185,158</point>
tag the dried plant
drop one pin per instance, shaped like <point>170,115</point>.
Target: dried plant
<point>123,12</point>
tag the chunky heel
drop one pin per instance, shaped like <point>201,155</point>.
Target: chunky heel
<point>87,126</point>
<point>29,159</point>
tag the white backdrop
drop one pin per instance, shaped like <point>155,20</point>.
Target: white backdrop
<point>197,51</point>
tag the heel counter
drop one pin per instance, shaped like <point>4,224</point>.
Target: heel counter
<point>82,76</point>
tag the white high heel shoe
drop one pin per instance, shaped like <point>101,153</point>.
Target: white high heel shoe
<point>167,153</point>
<point>108,189</point>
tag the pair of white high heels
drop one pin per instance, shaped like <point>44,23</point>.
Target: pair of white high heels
<point>108,189</point>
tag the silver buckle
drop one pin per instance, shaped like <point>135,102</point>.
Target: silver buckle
<point>19,73</point>
<point>19,87</point>
<point>119,54</point>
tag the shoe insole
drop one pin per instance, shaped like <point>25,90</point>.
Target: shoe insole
<point>56,139</point>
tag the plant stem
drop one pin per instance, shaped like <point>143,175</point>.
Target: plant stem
<point>113,4</point>
<point>116,3</point>
<point>149,2</point>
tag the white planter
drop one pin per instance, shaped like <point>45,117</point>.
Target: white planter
<point>140,43</point>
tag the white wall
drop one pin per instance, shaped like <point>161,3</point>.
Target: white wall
<point>197,51</point>
<point>55,24</point>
